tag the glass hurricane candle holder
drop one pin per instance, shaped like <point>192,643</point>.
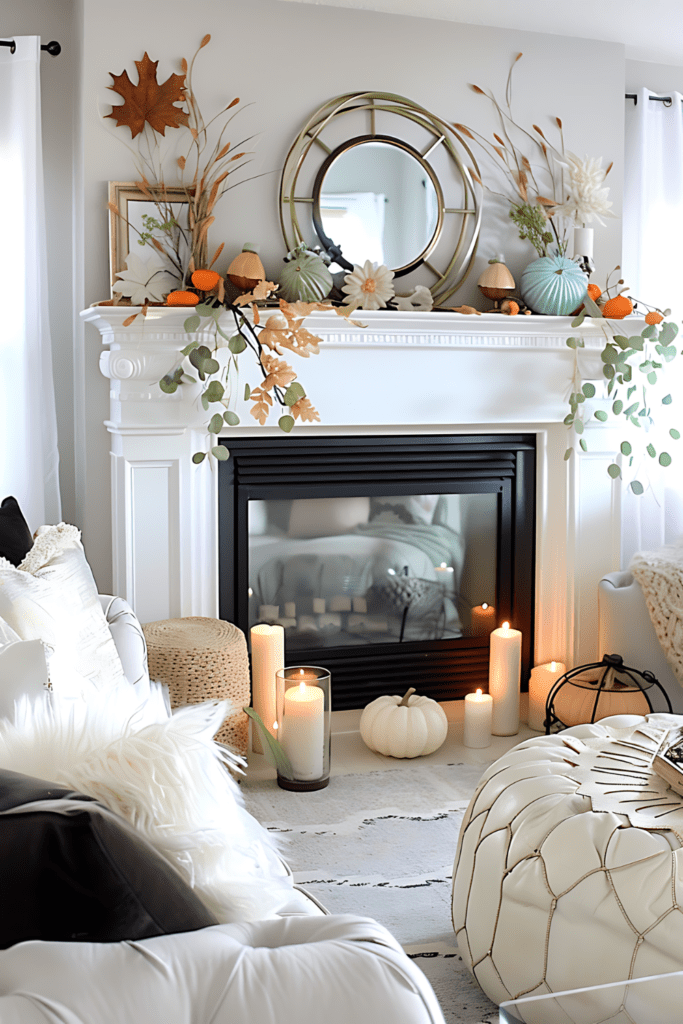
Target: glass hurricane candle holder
<point>303,726</point>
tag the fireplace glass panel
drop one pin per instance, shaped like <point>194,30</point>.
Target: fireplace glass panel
<point>348,571</point>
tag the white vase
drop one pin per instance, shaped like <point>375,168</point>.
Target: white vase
<point>583,242</point>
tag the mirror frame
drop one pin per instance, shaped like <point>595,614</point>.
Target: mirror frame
<point>304,155</point>
<point>359,140</point>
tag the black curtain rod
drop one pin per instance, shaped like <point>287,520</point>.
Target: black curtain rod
<point>657,99</point>
<point>53,48</point>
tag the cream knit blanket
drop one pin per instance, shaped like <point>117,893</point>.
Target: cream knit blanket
<point>660,575</point>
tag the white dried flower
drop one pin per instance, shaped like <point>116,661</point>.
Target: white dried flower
<point>587,198</point>
<point>145,280</point>
<point>369,286</point>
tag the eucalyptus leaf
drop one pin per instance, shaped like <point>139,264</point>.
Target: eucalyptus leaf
<point>578,320</point>
<point>578,426</point>
<point>601,415</point>
<point>221,453</point>
<point>589,390</point>
<point>198,457</point>
<point>630,391</point>
<point>608,371</point>
<point>621,341</point>
<point>636,487</point>
<point>637,342</point>
<point>271,747</point>
<point>572,342</point>
<point>204,309</point>
<point>231,418</point>
<point>676,434</point>
<point>285,423</point>
<point>187,378</point>
<point>617,407</point>
<point>211,366</point>
<point>193,344</point>
<point>668,333</point>
<point>609,354</point>
<point>651,451</point>
<point>205,403</point>
<point>568,420</point>
<point>591,307</point>
<point>215,424</point>
<point>631,409</point>
<point>190,325</point>
<point>614,471</point>
<point>247,392</point>
<point>237,344</point>
<point>626,448</point>
<point>570,451</point>
<point>583,444</point>
<point>168,385</point>
<point>667,400</point>
<point>652,377</point>
<point>649,332</point>
<point>294,393</point>
<point>215,391</point>
<point>665,459</point>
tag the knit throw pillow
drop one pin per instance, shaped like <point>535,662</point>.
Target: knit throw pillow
<point>166,777</point>
<point>52,596</point>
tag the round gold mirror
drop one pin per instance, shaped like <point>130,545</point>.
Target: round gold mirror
<point>405,199</point>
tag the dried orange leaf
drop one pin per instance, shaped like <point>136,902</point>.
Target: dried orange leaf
<point>181,163</point>
<point>148,101</point>
<point>304,410</point>
<point>233,102</point>
<point>205,40</point>
<point>217,253</point>
<point>464,130</point>
<point>129,320</point>
<point>255,313</point>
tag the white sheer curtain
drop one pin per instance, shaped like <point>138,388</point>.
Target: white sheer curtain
<point>652,267</point>
<point>28,444</point>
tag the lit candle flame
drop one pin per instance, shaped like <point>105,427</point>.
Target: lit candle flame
<point>443,565</point>
<point>506,625</point>
<point>553,666</point>
<point>478,693</point>
<point>302,686</point>
<point>275,725</point>
<point>484,606</point>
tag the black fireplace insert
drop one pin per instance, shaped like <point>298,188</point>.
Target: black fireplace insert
<point>386,559</point>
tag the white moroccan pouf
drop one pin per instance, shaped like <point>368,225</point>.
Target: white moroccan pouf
<point>569,868</point>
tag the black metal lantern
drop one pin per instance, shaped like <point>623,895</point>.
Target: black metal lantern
<point>603,688</point>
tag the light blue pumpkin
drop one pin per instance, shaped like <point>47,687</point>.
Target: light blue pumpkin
<point>553,285</point>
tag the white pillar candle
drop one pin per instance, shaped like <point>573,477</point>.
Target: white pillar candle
<point>302,731</point>
<point>504,670</point>
<point>541,682</point>
<point>478,716</point>
<point>267,657</point>
<point>483,619</point>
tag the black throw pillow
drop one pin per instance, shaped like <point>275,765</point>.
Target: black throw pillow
<point>15,537</point>
<point>83,876</point>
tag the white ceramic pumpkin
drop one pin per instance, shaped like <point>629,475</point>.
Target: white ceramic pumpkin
<point>407,726</point>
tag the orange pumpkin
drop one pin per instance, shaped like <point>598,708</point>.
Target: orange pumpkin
<point>182,299</point>
<point>205,280</point>
<point>617,308</point>
<point>653,317</point>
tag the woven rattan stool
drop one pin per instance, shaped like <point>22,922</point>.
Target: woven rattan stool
<point>203,659</point>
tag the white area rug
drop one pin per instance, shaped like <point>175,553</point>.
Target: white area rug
<point>382,845</point>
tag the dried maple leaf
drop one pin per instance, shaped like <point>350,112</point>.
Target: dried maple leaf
<point>304,410</point>
<point>261,291</point>
<point>148,101</point>
<point>298,310</point>
<point>262,405</point>
<point>279,372</point>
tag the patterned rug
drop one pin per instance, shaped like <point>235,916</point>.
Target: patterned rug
<point>382,845</point>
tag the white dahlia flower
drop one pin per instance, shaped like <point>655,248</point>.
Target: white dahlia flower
<point>587,198</point>
<point>369,286</point>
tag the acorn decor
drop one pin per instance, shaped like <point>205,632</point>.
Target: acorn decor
<point>305,276</point>
<point>246,270</point>
<point>496,282</point>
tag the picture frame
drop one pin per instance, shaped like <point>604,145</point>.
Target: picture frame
<point>133,204</point>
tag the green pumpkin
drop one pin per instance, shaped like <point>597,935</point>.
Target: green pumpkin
<point>553,285</point>
<point>305,277</point>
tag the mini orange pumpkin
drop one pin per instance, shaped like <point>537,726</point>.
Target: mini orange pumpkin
<point>653,317</point>
<point>594,291</point>
<point>182,299</point>
<point>617,308</point>
<point>205,280</point>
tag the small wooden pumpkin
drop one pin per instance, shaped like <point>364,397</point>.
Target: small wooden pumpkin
<point>405,726</point>
<point>554,285</point>
<point>246,270</point>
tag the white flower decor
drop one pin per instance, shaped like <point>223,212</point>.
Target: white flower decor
<point>369,286</point>
<point>587,198</point>
<point>145,280</point>
<point>421,298</point>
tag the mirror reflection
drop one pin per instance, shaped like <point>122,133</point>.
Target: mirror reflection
<point>345,571</point>
<point>378,202</point>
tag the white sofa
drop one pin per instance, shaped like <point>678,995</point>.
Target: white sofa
<point>300,967</point>
<point>625,628</point>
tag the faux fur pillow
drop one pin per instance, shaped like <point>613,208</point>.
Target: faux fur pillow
<point>52,596</point>
<point>168,778</point>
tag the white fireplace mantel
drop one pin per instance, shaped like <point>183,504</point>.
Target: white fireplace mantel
<point>409,372</point>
